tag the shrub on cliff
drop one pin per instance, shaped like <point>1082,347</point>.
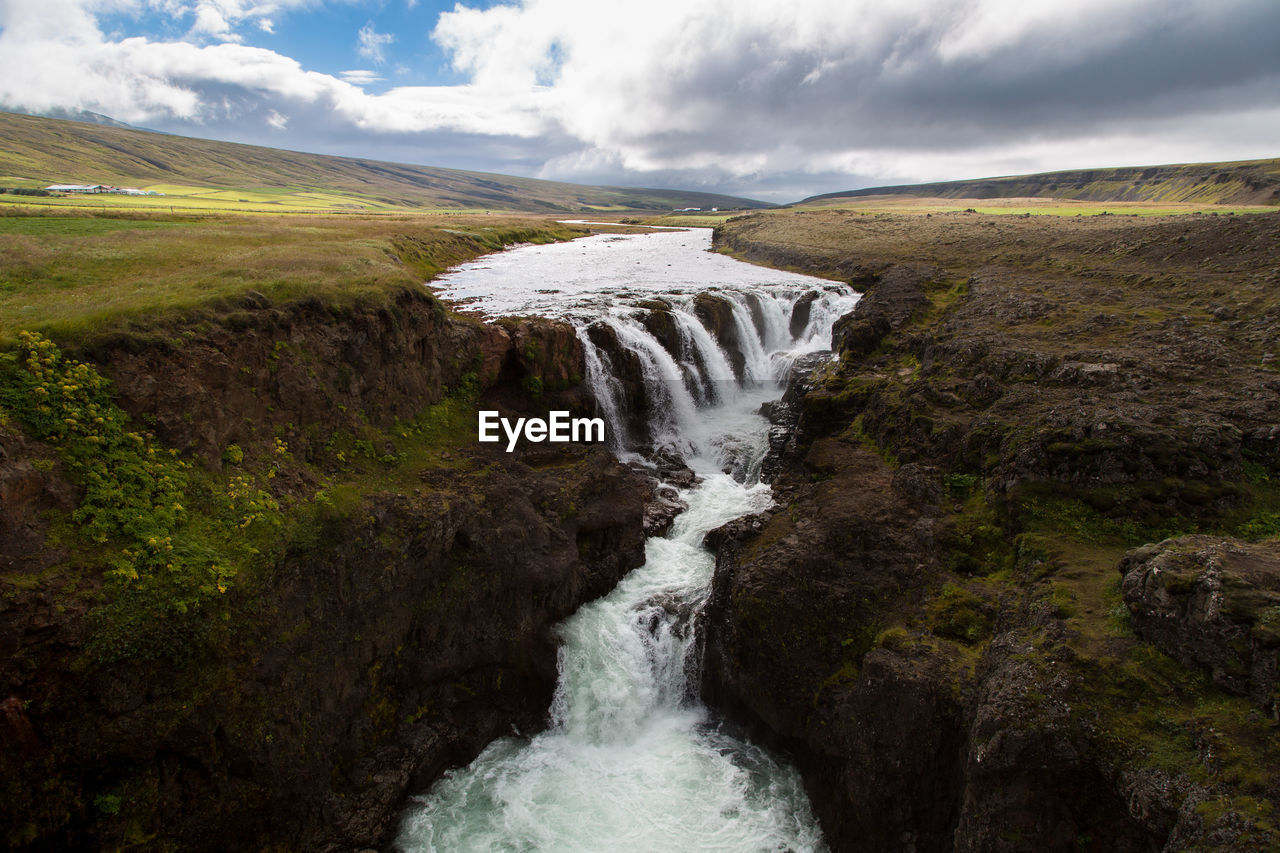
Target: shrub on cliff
<point>164,562</point>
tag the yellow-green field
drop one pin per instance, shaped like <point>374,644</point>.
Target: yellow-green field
<point>176,197</point>
<point>75,274</point>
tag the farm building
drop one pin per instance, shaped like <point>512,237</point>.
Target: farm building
<point>98,188</point>
<point>77,188</point>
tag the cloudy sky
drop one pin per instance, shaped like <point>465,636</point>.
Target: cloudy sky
<point>753,97</point>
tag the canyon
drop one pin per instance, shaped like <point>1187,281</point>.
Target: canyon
<point>968,608</point>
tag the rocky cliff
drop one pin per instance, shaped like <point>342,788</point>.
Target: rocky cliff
<point>393,608</point>
<point>933,622</point>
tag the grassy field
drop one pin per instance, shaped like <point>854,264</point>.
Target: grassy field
<point>1247,182</point>
<point>173,198</point>
<point>72,275</point>
<point>1019,206</point>
<point>869,205</point>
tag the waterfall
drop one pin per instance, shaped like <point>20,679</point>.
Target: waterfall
<point>671,406</point>
<point>717,377</point>
<point>697,373</point>
<point>607,391</point>
<point>776,309</point>
<point>631,759</point>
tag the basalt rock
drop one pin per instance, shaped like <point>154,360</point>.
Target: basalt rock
<point>549,350</point>
<point>954,677</point>
<point>1213,604</point>
<point>901,744</point>
<point>27,494</point>
<point>265,371</point>
<point>716,314</point>
<point>897,294</point>
<point>784,414</point>
<point>756,309</point>
<point>397,645</point>
<point>800,595</point>
<point>661,506</point>
<point>661,323</point>
<point>801,311</point>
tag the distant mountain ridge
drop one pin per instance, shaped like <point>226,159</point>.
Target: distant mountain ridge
<point>1242,182</point>
<point>86,116</point>
<point>63,151</point>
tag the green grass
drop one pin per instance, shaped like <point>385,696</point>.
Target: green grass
<point>175,198</point>
<point>72,276</point>
<point>49,226</point>
<point>692,220</point>
<point>170,548</point>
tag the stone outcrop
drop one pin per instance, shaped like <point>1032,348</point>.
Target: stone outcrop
<point>306,370</point>
<point>801,312</point>
<point>790,631</point>
<point>887,305</point>
<point>1214,604</point>
<point>716,313</point>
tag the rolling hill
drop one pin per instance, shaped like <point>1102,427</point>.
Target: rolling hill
<point>1244,182</point>
<point>43,150</point>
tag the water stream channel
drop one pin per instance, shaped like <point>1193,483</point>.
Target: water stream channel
<point>632,761</point>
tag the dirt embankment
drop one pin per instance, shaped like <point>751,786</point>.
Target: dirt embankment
<point>402,622</point>
<point>940,621</point>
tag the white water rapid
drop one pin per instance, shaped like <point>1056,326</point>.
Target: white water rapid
<point>632,761</point>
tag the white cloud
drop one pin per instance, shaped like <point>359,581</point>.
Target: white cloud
<point>371,43</point>
<point>223,20</point>
<point>910,90</point>
<point>359,77</point>
<point>730,93</point>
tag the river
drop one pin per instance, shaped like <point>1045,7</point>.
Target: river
<point>632,761</point>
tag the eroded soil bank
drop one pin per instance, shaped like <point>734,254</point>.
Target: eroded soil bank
<point>944,619</point>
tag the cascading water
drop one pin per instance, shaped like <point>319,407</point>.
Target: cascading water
<point>600,376</point>
<point>632,760</point>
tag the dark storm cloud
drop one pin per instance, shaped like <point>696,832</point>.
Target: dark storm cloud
<point>1094,75</point>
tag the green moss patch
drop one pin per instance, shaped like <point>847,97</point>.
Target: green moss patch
<point>172,538</point>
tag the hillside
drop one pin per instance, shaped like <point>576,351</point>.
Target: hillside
<point>1244,182</point>
<point>35,150</point>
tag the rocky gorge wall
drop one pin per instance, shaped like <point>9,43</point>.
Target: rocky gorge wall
<point>402,621</point>
<point>942,620</point>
